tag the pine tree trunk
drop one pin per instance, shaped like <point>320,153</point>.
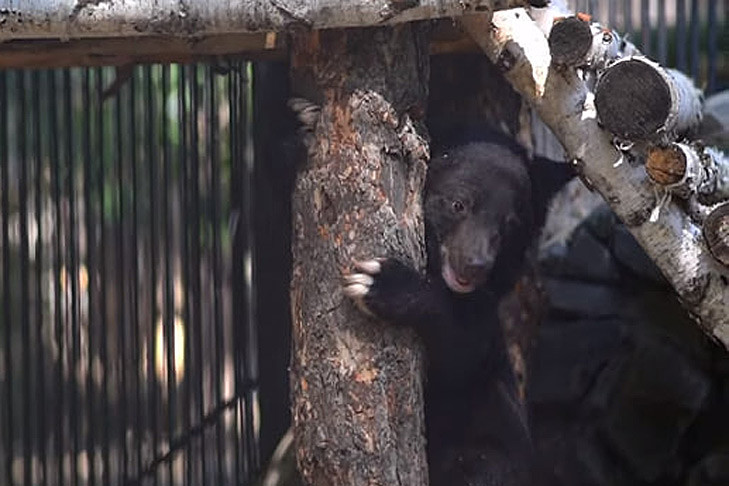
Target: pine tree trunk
<point>357,383</point>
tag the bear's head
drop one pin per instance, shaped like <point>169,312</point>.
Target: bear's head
<point>483,207</point>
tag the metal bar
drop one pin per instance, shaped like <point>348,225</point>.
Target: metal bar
<point>151,160</point>
<point>712,44</point>
<point>237,261</point>
<point>169,320</point>
<point>695,32</point>
<point>681,57</point>
<point>662,34</point>
<point>40,397</point>
<point>184,190</point>
<point>72,270</point>
<point>7,271</point>
<point>21,122</point>
<point>243,283</point>
<point>214,153</point>
<point>103,328</point>
<point>645,27</point>
<point>612,14</point>
<point>196,271</point>
<point>177,443</point>
<point>121,272</point>
<point>54,130</point>
<point>628,18</point>
<point>136,338</point>
<point>91,265</point>
<point>250,348</point>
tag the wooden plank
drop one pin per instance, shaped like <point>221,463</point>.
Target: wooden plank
<point>120,51</point>
<point>117,51</point>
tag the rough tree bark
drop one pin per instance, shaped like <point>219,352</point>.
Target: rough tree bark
<point>356,383</point>
<point>69,19</point>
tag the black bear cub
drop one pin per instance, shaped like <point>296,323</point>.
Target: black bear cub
<point>484,205</point>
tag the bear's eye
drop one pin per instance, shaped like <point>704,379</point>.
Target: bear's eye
<point>458,206</point>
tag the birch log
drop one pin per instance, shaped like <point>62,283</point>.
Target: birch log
<point>72,19</point>
<point>688,170</point>
<point>577,42</point>
<point>716,233</point>
<point>637,99</point>
<point>563,101</point>
<point>356,383</point>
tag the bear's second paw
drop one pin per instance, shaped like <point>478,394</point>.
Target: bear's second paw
<point>381,286</point>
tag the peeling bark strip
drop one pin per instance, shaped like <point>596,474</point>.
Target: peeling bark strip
<point>637,99</point>
<point>69,19</point>
<point>564,102</point>
<point>356,383</point>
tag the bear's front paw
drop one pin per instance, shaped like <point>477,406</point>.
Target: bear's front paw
<point>381,286</point>
<point>357,286</point>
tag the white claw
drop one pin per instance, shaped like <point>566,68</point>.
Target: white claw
<point>359,278</point>
<point>356,291</point>
<point>372,267</point>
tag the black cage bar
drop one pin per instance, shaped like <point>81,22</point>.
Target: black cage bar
<point>689,35</point>
<point>127,334</point>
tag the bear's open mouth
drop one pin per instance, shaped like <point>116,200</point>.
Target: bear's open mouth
<point>455,282</point>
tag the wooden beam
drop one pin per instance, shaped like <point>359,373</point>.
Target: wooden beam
<point>77,19</point>
<point>119,51</point>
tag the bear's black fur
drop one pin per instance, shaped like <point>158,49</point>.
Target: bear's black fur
<point>484,205</point>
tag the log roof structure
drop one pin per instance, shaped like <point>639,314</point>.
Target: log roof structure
<point>52,33</point>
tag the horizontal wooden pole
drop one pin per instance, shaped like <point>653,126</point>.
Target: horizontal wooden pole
<point>78,19</point>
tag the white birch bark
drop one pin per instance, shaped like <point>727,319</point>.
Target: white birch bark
<point>67,19</point>
<point>562,99</point>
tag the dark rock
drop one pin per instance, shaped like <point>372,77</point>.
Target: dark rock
<point>574,455</point>
<point>595,466</point>
<point>568,358</point>
<point>583,300</point>
<point>552,257</point>
<point>712,470</point>
<point>659,395</point>
<point>589,259</point>
<point>607,382</point>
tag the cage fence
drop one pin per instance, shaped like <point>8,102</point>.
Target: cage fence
<point>689,35</point>
<point>127,350</point>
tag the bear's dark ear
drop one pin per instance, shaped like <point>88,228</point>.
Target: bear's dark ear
<point>548,177</point>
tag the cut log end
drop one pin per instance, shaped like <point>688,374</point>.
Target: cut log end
<point>633,100</point>
<point>570,41</point>
<point>716,233</point>
<point>666,165</point>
